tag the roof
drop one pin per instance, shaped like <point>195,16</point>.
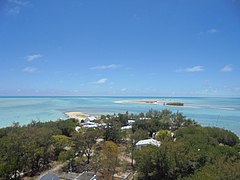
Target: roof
<point>91,118</point>
<point>144,118</point>
<point>148,142</point>
<point>126,127</point>
<point>130,121</point>
<point>90,126</point>
<point>49,176</point>
<point>86,176</point>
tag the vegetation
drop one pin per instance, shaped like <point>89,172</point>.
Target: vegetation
<point>195,151</point>
<point>187,151</point>
<point>175,104</point>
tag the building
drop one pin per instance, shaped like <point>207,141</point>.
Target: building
<point>49,176</point>
<point>126,127</point>
<point>131,121</point>
<point>89,119</point>
<point>86,176</point>
<point>90,125</point>
<point>146,142</point>
<point>144,118</point>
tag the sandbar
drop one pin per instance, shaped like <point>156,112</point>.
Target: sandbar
<point>141,101</point>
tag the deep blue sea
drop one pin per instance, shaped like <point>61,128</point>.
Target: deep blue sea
<point>220,112</point>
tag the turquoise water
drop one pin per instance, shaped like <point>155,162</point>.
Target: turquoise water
<point>220,112</point>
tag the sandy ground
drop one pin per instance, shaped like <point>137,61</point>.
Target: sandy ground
<point>77,115</point>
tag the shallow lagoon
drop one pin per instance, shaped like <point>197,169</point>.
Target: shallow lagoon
<point>221,112</point>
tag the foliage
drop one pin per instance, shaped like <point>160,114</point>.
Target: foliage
<point>223,136</point>
<point>196,150</point>
<point>163,135</point>
<point>164,119</point>
<point>148,161</point>
<point>112,132</point>
<point>175,104</point>
<point>24,149</point>
<point>60,142</point>
<point>108,159</point>
<point>139,134</point>
<point>85,140</point>
<point>219,170</point>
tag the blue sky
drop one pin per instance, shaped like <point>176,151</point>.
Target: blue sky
<point>120,47</point>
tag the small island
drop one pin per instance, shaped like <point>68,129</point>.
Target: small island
<point>174,104</point>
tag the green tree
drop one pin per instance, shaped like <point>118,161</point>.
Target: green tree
<point>12,159</point>
<point>219,170</point>
<point>108,159</point>
<point>147,162</point>
<point>85,141</point>
<point>223,136</point>
<point>164,135</point>
<point>59,143</point>
<point>112,132</point>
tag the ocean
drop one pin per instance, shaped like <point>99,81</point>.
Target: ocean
<point>219,112</point>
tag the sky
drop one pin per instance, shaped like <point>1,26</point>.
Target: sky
<point>120,48</point>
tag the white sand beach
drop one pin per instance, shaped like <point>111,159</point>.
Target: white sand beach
<point>77,115</point>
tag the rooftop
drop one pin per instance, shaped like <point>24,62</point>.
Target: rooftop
<point>148,142</point>
<point>49,176</point>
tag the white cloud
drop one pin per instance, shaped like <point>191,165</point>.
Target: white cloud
<point>195,69</point>
<point>209,31</point>
<point>227,68</point>
<point>33,57</point>
<point>192,69</point>
<point>29,69</point>
<point>19,2</point>
<point>101,81</point>
<point>104,67</point>
<point>75,91</point>
<point>14,7</point>
<point>14,10</point>
<point>124,89</point>
<point>217,91</point>
<point>213,31</point>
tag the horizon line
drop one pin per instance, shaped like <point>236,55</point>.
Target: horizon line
<point>140,96</point>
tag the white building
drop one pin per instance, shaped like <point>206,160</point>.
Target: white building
<point>144,118</point>
<point>126,127</point>
<point>89,119</point>
<point>131,121</point>
<point>90,126</point>
<point>146,142</point>
<point>91,123</point>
